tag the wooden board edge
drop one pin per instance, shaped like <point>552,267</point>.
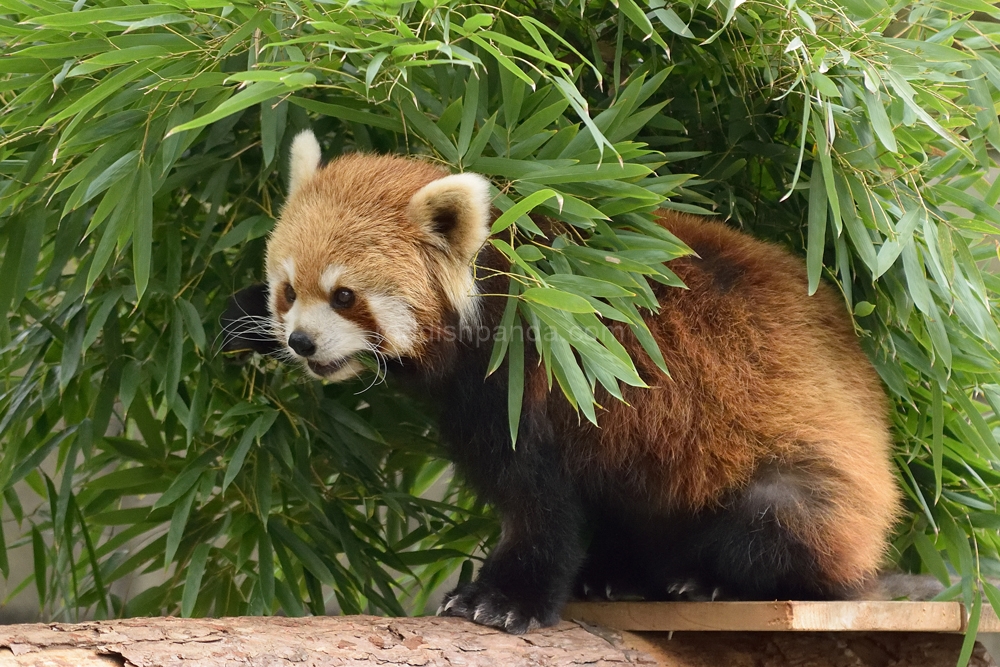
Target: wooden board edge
<point>791,616</point>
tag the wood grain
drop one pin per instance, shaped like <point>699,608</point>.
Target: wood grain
<point>780,616</point>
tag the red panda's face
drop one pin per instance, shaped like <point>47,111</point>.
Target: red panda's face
<point>371,253</point>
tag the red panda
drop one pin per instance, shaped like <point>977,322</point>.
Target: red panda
<point>759,469</point>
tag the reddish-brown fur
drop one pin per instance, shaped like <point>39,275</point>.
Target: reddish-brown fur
<point>762,376</point>
<point>353,213</point>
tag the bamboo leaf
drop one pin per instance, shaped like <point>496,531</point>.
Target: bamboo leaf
<point>192,580</point>
<point>558,299</point>
<point>255,93</point>
<point>817,227</point>
<point>241,451</point>
<point>515,379</point>
<point>511,215</point>
<point>142,238</point>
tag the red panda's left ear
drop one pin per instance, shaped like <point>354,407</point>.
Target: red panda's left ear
<point>455,212</point>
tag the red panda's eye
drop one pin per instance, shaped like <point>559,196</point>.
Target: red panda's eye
<point>289,294</point>
<point>342,298</point>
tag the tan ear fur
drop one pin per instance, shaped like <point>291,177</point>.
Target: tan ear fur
<point>305,159</point>
<point>455,212</point>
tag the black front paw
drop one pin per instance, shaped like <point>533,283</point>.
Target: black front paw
<point>486,605</point>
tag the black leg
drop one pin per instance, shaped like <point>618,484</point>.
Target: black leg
<point>745,553</point>
<point>615,567</point>
<point>748,549</point>
<point>528,576</point>
<point>744,550</point>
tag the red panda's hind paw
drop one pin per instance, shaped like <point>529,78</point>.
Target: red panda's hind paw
<point>486,605</point>
<point>690,590</point>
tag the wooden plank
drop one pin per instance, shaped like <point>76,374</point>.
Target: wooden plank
<point>804,649</point>
<point>778,616</point>
<point>988,621</point>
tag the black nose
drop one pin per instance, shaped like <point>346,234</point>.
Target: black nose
<point>302,344</point>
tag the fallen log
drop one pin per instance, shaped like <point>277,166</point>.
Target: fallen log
<point>331,641</point>
<point>363,641</point>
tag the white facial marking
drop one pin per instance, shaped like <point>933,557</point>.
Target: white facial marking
<point>395,321</point>
<point>336,338</point>
<point>329,279</point>
<point>289,266</point>
<point>464,298</point>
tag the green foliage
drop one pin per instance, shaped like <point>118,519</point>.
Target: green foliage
<point>140,162</point>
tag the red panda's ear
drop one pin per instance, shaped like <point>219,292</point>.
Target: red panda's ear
<point>304,161</point>
<point>455,212</point>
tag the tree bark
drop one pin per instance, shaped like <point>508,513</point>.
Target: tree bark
<point>363,641</point>
<point>357,641</point>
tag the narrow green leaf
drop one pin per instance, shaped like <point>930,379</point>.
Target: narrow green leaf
<point>557,299</point>
<point>908,95</point>
<point>892,248</point>
<point>937,436</point>
<point>429,130</point>
<point>272,127</point>
<point>347,113</point>
<point>931,558</point>
<point>972,627</point>
<point>572,380</point>
<point>880,121</point>
<point>916,280</point>
<point>673,22</point>
<point>636,16</point>
<point>515,378</point>
<point>470,109</point>
<point>975,417</point>
<point>4,561</point>
<point>255,93</point>
<point>824,84</point>
<point>505,330</point>
<point>178,521</point>
<point>87,17</point>
<point>95,569</point>
<point>192,581</point>
<point>40,563</point>
<point>184,481</point>
<point>192,322</point>
<point>72,350</point>
<point>142,236</point>
<point>240,453</point>
<point>511,215</point>
<point>480,141</point>
<point>817,227</point>
<point>265,570</point>
<point>306,555</point>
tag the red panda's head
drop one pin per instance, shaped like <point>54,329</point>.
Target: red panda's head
<point>371,252</point>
